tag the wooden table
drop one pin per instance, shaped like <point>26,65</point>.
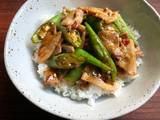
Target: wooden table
<point>14,106</point>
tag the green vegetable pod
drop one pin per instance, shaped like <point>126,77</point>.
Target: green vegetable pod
<point>74,75</point>
<point>43,29</point>
<point>72,36</point>
<point>66,61</point>
<point>101,51</point>
<point>121,25</point>
<point>91,59</point>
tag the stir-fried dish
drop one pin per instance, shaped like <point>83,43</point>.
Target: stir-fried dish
<point>86,50</point>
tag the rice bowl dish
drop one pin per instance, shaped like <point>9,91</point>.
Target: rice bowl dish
<point>69,36</point>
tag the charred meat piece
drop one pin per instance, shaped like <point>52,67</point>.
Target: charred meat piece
<point>72,18</point>
<point>105,14</point>
<point>50,78</point>
<point>99,82</point>
<point>122,48</point>
<point>128,62</point>
<point>48,45</point>
<point>94,76</point>
<point>58,48</point>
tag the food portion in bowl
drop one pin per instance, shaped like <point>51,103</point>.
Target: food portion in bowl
<point>86,53</point>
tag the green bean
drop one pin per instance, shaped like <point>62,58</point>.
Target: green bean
<point>74,75</point>
<point>101,51</point>
<point>91,59</point>
<point>95,23</point>
<point>121,25</point>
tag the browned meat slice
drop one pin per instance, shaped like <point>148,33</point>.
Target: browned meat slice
<point>58,48</point>
<point>128,62</point>
<point>68,48</point>
<point>72,18</point>
<point>48,46</point>
<point>93,76</point>
<point>99,82</point>
<point>111,41</point>
<point>123,49</point>
<point>50,78</point>
<point>105,14</point>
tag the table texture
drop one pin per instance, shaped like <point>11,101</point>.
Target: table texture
<point>13,106</point>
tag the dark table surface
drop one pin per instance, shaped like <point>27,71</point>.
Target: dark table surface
<point>14,106</point>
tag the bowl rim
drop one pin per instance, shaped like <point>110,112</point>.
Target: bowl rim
<point>131,109</point>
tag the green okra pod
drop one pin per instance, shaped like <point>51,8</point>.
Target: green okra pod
<point>43,29</point>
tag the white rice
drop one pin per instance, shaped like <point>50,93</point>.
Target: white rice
<point>41,69</point>
<point>90,94</point>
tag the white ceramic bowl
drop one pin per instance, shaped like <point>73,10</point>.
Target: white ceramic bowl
<point>22,71</point>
